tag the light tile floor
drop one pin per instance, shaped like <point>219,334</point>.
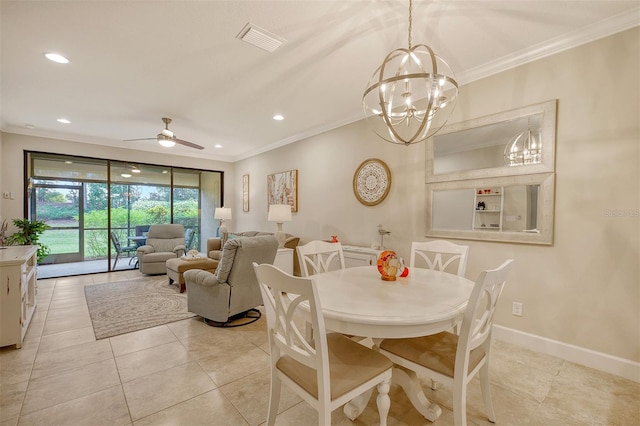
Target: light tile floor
<point>187,373</point>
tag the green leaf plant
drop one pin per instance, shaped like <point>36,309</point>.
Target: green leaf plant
<point>28,234</point>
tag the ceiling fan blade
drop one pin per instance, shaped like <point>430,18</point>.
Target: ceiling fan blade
<point>142,139</point>
<point>189,144</point>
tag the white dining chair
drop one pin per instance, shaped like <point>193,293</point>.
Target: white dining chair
<point>320,256</point>
<point>326,373</point>
<point>456,359</point>
<point>440,255</point>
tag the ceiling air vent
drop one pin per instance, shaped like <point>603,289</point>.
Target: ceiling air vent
<point>260,38</point>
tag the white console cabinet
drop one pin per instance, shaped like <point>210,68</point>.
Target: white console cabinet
<point>360,256</point>
<point>284,260</point>
<point>17,292</point>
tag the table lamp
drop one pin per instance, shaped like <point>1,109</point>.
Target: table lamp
<point>279,213</point>
<point>222,214</point>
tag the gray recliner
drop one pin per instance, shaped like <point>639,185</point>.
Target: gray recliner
<point>163,242</point>
<point>233,290</point>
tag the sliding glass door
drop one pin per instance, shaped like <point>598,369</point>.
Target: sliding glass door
<point>97,208</point>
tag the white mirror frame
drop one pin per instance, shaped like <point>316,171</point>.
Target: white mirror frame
<point>545,210</point>
<point>548,132</point>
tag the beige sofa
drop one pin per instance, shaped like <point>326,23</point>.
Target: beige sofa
<point>214,246</point>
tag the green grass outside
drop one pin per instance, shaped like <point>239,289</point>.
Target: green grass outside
<point>66,241</point>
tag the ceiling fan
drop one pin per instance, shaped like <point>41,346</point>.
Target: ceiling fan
<point>167,139</point>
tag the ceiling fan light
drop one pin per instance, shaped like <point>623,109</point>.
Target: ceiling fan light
<point>167,143</point>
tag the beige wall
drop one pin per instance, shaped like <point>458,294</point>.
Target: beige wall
<point>585,289</point>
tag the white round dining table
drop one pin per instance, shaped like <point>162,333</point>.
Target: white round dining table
<point>358,302</point>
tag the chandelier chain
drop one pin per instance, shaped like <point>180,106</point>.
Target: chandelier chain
<point>410,21</point>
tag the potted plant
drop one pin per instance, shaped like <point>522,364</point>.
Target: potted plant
<point>28,234</point>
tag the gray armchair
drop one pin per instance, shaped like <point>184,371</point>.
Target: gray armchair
<point>233,291</point>
<point>163,242</point>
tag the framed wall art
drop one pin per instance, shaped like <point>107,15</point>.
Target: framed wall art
<point>372,181</point>
<point>282,188</point>
<point>245,193</point>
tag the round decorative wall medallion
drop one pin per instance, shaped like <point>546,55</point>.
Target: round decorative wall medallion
<point>371,182</point>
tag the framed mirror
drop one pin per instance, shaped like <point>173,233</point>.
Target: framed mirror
<point>516,142</point>
<point>517,209</point>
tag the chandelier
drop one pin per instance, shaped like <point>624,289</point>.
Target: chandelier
<point>407,91</point>
<point>525,148</point>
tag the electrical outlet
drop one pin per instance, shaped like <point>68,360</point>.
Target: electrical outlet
<point>516,309</point>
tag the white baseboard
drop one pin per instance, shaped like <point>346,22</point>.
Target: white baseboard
<point>587,357</point>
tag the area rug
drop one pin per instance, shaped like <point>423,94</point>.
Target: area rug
<point>125,306</point>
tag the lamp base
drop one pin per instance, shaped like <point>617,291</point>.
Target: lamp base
<point>281,237</point>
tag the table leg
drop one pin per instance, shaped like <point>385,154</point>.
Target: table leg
<point>356,406</point>
<point>409,382</point>
<point>183,288</point>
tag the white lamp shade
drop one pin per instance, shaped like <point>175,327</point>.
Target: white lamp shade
<point>223,213</point>
<point>279,213</point>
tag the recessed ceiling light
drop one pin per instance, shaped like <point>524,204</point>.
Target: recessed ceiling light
<point>134,170</point>
<point>278,117</point>
<point>125,175</point>
<point>30,126</point>
<point>164,172</point>
<point>56,57</point>
<point>63,121</point>
<point>68,162</point>
<point>217,145</point>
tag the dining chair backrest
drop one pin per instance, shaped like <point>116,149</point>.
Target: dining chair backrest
<point>327,372</point>
<point>478,315</point>
<point>318,256</point>
<point>282,295</point>
<point>440,255</point>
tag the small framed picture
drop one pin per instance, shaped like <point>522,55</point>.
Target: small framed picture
<point>245,193</point>
<point>282,188</point>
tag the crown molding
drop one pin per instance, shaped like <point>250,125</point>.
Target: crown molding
<point>604,28</point>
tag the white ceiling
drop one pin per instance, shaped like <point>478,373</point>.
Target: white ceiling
<point>134,62</point>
